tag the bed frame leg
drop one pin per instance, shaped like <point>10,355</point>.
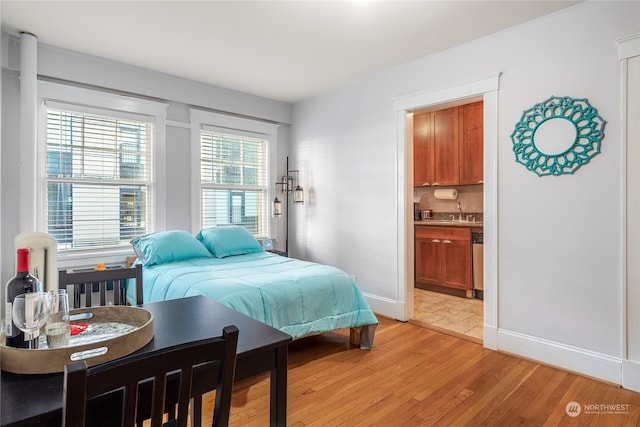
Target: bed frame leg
<point>354,336</point>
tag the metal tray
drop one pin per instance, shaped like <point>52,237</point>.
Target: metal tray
<point>114,331</point>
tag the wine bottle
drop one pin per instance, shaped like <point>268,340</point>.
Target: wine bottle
<point>21,283</point>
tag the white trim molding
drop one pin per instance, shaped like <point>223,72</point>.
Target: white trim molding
<point>382,305</point>
<point>27,182</point>
<point>570,358</point>
<point>461,90</point>
<point>629,56</point>
<point>629,46</point>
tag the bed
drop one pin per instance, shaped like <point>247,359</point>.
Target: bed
<point>230,266</point>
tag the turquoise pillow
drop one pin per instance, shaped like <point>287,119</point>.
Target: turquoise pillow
<point>229,240</point>
<point>168,246</point>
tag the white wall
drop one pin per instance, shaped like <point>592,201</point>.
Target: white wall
<point>179,93</point>
<point>559,244</point>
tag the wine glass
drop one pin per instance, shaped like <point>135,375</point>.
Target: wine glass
<point>30,312</point>
<point>57,328</point>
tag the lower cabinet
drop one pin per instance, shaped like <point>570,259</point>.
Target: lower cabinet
<point>443,259</point>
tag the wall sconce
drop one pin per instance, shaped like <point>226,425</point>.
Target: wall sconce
<point>287,185</point>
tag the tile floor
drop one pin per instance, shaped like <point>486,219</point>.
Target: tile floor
<point>448,313</point>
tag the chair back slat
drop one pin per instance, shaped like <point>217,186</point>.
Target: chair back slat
<point>85,282</point>
<point>166,369</point>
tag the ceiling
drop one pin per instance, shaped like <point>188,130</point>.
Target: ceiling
<point>283,50</point>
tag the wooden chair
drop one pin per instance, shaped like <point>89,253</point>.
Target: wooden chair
<point>85,281</point>
<point>125,377</point>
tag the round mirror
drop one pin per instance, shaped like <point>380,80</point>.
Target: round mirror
<point>557,136</point>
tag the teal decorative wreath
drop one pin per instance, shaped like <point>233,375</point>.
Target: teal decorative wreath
<point>589,131</point>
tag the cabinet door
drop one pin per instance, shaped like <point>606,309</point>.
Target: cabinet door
<point>471,143</point>
<point>456,264</point>
<point>428,261</point>
<point>422,150</point>
<point>445,146</point>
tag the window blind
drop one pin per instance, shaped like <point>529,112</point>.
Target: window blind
<point>233,175</point>
<point>98,179</point>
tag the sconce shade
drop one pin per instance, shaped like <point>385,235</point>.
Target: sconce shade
<point>298,196</point>
<point>277,207</point>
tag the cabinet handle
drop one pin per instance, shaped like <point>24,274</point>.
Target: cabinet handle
<point>446,241</point>
<point>435,241</point>
<point>436,183</point>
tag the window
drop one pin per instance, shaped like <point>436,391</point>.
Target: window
<point>232,171</point>
<point>97,190</point>
<point>98,178</point>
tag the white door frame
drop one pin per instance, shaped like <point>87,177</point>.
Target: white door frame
<point>629,55</point>
<point>487,88</point>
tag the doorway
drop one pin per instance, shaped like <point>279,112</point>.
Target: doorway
<point>448,195</point>
<point>487,89</point>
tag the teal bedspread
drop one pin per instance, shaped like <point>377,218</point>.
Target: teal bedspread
<point>297,297</point>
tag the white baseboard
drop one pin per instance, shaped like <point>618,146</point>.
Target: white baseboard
<point>578,360</point>
<point>631,375</point>
<point>490,337</point>
<point>385,306</point>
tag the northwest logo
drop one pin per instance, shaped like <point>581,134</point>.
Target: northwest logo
<point>573,409</point>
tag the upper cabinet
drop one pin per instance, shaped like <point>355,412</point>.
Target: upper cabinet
<point>448,146</point>
<point>471,143</point>
<point>423,170</point>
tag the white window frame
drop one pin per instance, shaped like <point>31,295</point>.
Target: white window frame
<point>90,101</point>
<point>209,121</point>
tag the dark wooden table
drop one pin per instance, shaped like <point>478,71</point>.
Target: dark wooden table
<point>37,399</point>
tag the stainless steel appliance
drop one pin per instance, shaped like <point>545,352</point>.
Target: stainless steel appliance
<point>477,243</point>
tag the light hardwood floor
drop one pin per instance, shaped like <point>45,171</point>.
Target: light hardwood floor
<point>419,377</point>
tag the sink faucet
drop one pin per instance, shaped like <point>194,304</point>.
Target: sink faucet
<point>459,211</point>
